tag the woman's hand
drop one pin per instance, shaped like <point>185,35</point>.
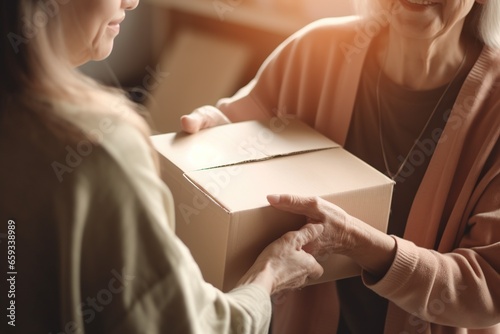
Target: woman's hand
<point>343,234</point>
<point>284,264</point>
<point>202,118</point>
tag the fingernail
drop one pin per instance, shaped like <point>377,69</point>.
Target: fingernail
<point>273,199</point>
<point>320,228</point>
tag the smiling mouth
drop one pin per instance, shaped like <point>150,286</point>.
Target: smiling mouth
<point>418,5</point>
<point>422,2</point>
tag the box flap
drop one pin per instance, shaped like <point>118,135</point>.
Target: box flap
<point>318,173</point>
<point>239,142</point>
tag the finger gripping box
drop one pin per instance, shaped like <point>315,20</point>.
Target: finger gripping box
<point>220,178</point>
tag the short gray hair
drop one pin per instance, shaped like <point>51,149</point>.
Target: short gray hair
<point>484,19</point>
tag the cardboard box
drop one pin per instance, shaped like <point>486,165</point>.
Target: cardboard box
<point>220,177</point>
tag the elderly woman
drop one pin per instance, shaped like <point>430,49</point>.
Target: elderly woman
<point>411,87</point>
<point>88,221</point>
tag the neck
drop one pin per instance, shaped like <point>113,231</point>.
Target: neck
<point>421,64</point>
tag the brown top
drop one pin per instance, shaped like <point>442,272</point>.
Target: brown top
<point>404,114</point>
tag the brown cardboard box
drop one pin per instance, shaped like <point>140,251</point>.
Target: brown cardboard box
<point>220,177</point>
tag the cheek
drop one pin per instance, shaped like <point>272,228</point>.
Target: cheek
<point>103,42</point>
<point>387,5</point>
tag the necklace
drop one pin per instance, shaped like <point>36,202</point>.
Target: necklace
<point>392,175</point>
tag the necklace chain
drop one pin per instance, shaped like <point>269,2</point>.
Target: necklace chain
<point>393,176</point>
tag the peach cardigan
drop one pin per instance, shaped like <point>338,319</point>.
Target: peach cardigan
<point>446,274</point>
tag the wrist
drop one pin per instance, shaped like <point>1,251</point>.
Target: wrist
<point>372,249</point>
<point>260,274</point>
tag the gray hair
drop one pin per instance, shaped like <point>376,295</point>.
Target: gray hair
<point>484,19</point>
<point>489,23</point>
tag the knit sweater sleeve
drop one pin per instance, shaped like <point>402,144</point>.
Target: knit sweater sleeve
<point>460,288</point>
<point>128,227</point>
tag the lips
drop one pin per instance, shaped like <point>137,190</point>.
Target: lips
<point>422,2</point>
<point>115,25</point>
<point>418,5</point>
<point>117,21</point>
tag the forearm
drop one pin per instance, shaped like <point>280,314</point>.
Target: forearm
<point>246,309</point>
<point>263,278</point>
<point>371,249</point>
<point>459,289</point>
<point>253,305</point>
<point>246,105</point>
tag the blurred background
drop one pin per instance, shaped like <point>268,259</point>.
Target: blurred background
<point>176,55</point>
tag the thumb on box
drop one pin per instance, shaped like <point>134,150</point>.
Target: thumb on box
<point>202,118</point>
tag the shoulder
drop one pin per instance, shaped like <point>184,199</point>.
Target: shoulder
<point>106,138</point>
<point>322,34</point>
<point>487,68</point>
<point>329,27</point>
<point>485,79</point>
<point>115,157</point>
<point>332,41</point>
<point>352,30</point>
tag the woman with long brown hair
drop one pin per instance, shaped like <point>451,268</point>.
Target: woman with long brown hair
<point>89,224</point>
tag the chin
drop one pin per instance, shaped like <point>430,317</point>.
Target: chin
<point>102,53</point>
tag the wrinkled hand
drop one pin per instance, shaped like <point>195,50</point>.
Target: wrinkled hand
<point>202,118</point>
<point>284,264</point>
<point>343,234</point>
<point>338,225</point>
